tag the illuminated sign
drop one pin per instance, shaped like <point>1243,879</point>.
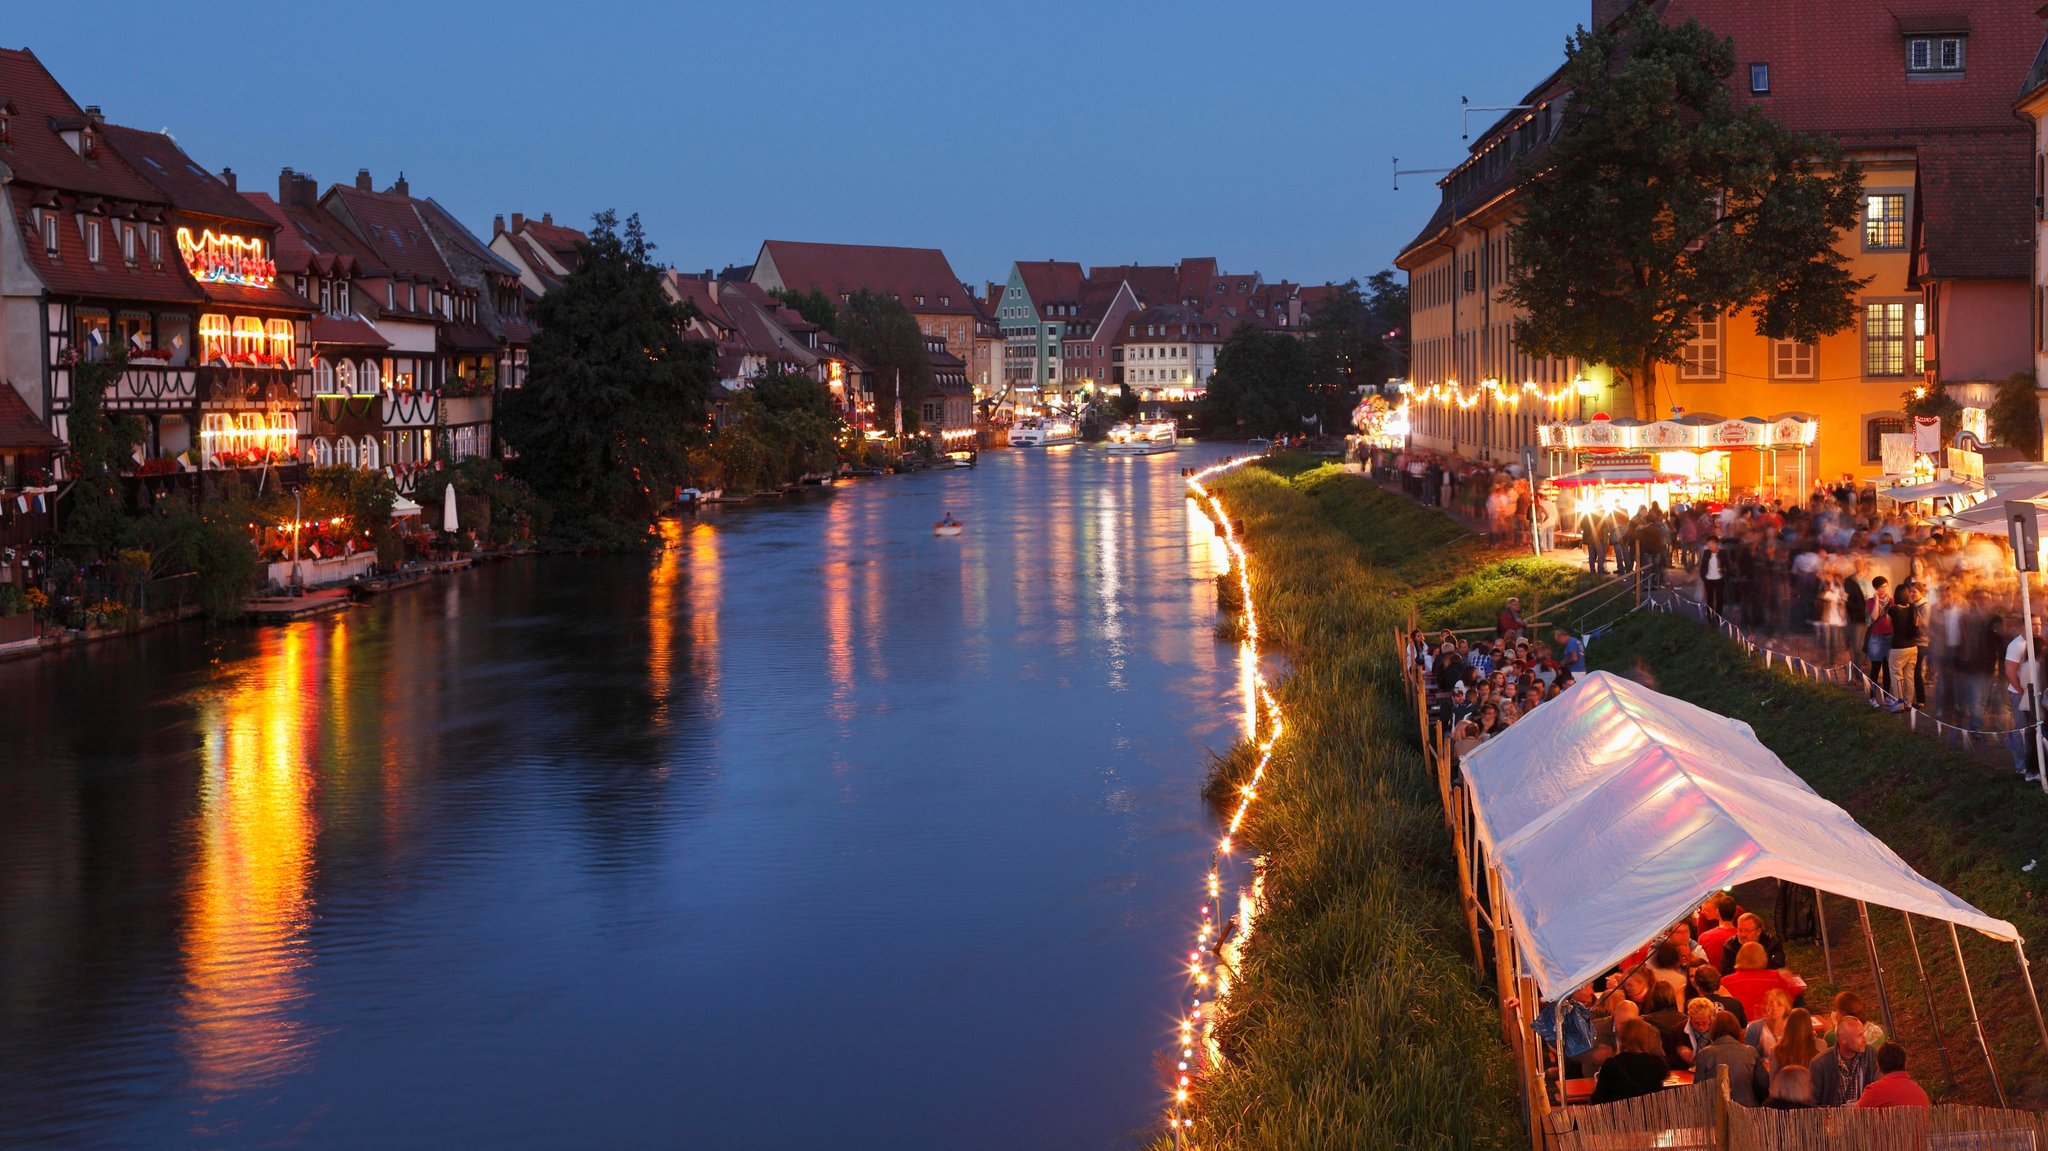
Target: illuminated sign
<point>225,259</point>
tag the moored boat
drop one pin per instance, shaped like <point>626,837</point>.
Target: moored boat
<point>1043,433</point>
<point>1143,439</point>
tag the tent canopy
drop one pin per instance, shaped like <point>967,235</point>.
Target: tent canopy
<point>1612,811</point>
<point>1988,517</point>
<point>1629,477</point>
<point>403,507</point>
<point>1908,493</point>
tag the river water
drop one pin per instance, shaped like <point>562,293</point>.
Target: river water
<point>812,830</point>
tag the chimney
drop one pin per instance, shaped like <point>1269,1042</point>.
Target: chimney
<point>400,186</point>
<point>1606,12</point>
<point>363,180</point>
<point>547,217</point>
<point>497,225</point>
<point>93,113</point>
<point>519,221</point>
<point>227,176</point>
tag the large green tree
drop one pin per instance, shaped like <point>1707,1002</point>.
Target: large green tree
<point>814,305</point>
<point>883,333</point>
<point>782,428</point>
<point>1660,201</point>
<point>616,397</point>
<point>1260,387</point>
<point>1356,337</point>
<point>102,443</point>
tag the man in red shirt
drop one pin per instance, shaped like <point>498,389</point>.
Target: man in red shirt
<point>1714,938</point>
<point>1894,1088</point>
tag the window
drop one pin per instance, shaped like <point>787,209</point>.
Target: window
<point>174,337</point>
<point>50,233</point>
<point>1934,54</point>
<point>127,243</point>
<point>156,245</point>
<point>1884,221</point>
<point>4,139</point>
<point>213,337</point>
<point>1884,340</point>
<point>1701,359</point>
<point>247,336</point>
<point>345,452</point>
<point>341,300</point>
<point>323,453</point>
<point>92,241</point>
<point>95,335</point>
<point>327,295</point>
<point>1874,433</point>
<point>1792,360</point>
<point>131,331</point>
<point>323,376</point>
<point>370,383</point>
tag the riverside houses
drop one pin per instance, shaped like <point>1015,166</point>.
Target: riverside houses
<point>327,264</point>
<point>97,256</point>
<point>919,277</point>
<point>254,347</point>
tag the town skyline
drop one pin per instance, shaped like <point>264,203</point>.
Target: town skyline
<point>989,174</point>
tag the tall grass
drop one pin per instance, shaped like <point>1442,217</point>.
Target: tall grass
<point>1356,1020</point>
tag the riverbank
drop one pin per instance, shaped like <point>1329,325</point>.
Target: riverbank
<point>1960,818</point>
<point>1355,1018</point>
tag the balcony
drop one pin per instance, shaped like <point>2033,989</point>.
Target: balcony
<point>248,384</point>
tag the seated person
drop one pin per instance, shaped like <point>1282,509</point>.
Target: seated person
<point>1894,1088</point>
<point>1690,954</point>
<point>1637,1069</point>
<point>1750,929</point>
<point>1754,977</point>
<point>1706,982</point>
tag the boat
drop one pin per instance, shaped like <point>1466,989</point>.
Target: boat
<point>1145,438</point>
<point>698,497</point>
<point>960,459</point>
<point>391,581</point>
<point>948,528</point>
<point>1043,433</point>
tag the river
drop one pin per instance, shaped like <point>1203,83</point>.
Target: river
<point>812,830</point>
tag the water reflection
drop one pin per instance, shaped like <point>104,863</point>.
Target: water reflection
<point>247,907</point>
<point>661,616</point>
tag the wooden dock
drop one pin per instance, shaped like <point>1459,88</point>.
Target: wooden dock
<point>285,609</point>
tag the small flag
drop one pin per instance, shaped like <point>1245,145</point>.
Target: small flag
<point>93,337</point>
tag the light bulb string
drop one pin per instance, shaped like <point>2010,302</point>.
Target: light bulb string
<point>1197,1021</point>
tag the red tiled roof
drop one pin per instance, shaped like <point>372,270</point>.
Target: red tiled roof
<point>68,273</point>
<point>842,269</point>
<point>37,154</point>
<point>309,238</point>
<point>336,331</point>
<point>189,187</point>
<point>1050,282</point>
<point>19,427</point>
<point>1976,208</point>
<point>560,242</point>
<point>468,337</point>
<point>394,231</point>
<point>277,297</point>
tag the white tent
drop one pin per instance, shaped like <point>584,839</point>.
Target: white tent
<point>1612,811</point>
<point>1988,518</point>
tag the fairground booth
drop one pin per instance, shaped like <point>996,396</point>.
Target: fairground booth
<point>1611,465</point>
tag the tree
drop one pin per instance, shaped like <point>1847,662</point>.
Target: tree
<point>883,333</point>
<point>814,305</point>
<point>1934,403</point>
<point>784,427</point>
<point>2015,415</point>
<point>1659,202</point>
<point>616,397</point>
<point>1260,387</point>
<point>1355,340</point>
<point>102,443</point>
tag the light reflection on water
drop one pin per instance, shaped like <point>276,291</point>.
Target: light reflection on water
<point>761,840</point>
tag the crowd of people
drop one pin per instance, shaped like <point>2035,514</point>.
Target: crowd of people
<point>1714,993</point>
<point>1481,688</point>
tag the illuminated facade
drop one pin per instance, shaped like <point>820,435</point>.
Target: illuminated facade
<point>1945,259</point>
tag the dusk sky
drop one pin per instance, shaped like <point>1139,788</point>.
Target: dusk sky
<point>1259,134</point>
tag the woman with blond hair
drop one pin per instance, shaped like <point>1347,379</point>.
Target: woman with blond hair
<point>1766,1033</point>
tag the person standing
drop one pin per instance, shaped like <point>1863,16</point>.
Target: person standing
<point>2022,681</point>
<point>1877,644</point>
<point>1713,575</point>
<point>1909,632</point>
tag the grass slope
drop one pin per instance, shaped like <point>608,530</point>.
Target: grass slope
<point>1357,1020</point>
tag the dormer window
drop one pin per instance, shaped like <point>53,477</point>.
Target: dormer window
<point>88,145</point>
<point>342,306</point>
<point>156,245</point>
<point>327,296</point>
<point>5,139</point>
<point>50,232</point>
<point>92,241</point>
<point>127,243</point>
<point>1934,55</point>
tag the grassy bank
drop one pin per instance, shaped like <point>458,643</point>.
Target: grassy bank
<point>1963,820</point>
<point>1356,1020</point>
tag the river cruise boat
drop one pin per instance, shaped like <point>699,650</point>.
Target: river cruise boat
<point>1043,433</point>
<point>1142,439</point>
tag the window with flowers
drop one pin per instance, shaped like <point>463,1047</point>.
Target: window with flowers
<point>213,338</point>
<point>174,338</point>
<point>246,342</point>
<point>95,335</point>
<point>278,334</point>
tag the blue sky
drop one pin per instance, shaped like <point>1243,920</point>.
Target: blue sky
<point>1259,134</point>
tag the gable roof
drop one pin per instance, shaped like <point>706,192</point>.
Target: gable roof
<point>842,269</point>
<point>69,273</point>
<point>312,240</point>
<point>19,427</point>
<point>1050,282</point>
<point>37,152</point>
<point>387,223</point>
<point>189,187</point>
<point>452,231</point>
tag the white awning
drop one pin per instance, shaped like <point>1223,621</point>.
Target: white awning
<point>403,507</point>
<point>1988,518</point>
<point>1935,489</point>
<point>1613,811</point>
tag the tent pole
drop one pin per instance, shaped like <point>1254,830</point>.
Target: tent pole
<point>2033,998</point>
<point>1562,1102</point>
<point>1884,999</point>
<point>1971,997</point>
<point>1933,1017</point>
<point>1820,912</point>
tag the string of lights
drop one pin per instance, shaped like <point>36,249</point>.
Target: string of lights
<point>1451,392</point>
<point>1207,987</point>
